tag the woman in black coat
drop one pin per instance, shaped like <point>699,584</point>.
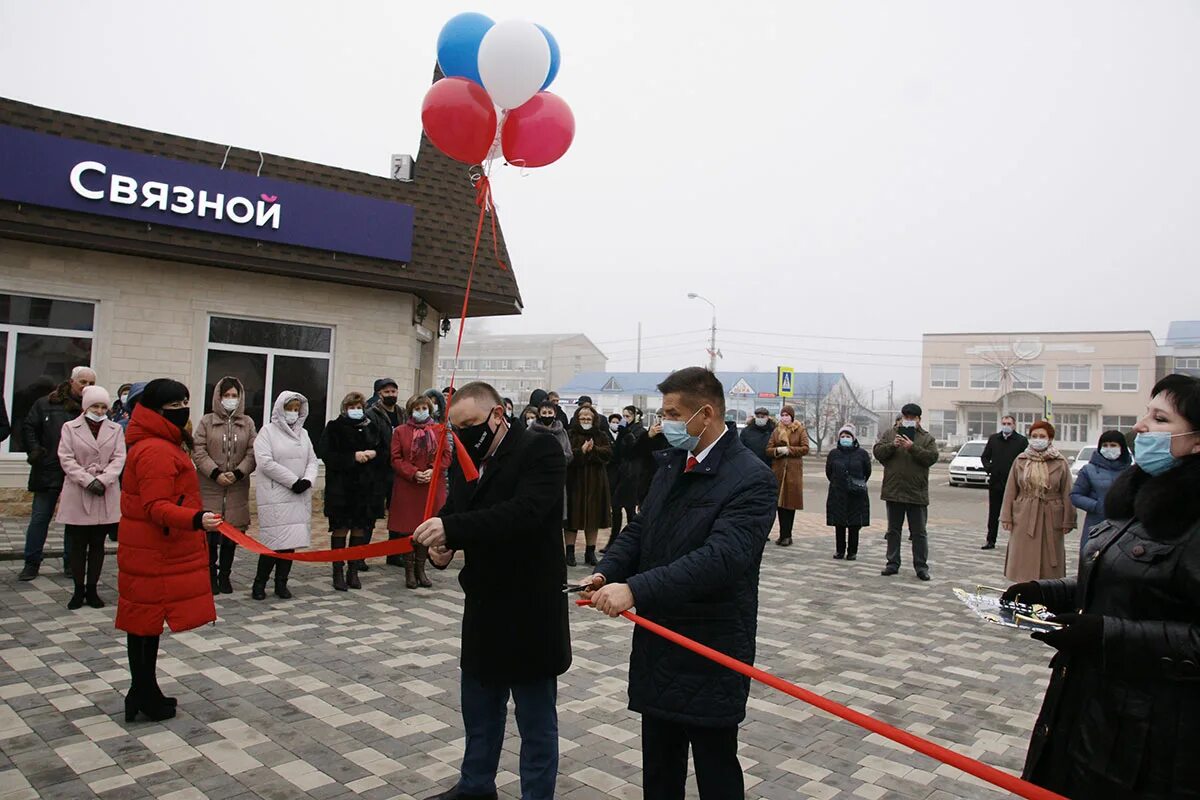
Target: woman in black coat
<point>356,460</point>
<point>847,506</point>
<point>1121,715</point>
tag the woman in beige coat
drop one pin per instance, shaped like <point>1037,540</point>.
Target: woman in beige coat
<point>786,448</point>
<point>1037,510</point>
<point>224,456</point>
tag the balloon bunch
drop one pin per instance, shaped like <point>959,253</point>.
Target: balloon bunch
<point>489,64</point>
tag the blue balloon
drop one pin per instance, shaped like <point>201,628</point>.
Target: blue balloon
<point>458,45</point>
<point>555,55</point>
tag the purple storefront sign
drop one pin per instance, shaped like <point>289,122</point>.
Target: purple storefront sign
<point>45,170</point>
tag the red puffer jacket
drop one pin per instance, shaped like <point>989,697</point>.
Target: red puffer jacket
<point>162,555</point>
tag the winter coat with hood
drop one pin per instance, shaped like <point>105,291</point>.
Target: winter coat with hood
<point>40,432</point>
<point>1038,518</point>
<point>755,437</point>
<point>589,500</point>
<point>1092,485</point>
<point>1122,721</point>
<point>789,468</point>
<point>162,551</point>
<point>353,490</point>
<point>906,471</point>
<point>414,448</point>
<point>224,442</point>
<point>85,458</point>
<point>284,454</point>
<point>843,507</point>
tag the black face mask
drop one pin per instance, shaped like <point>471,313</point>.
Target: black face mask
<point>547,421</point>
<point>177,416</point>
<point>388,401</point>
<point>477,439</point>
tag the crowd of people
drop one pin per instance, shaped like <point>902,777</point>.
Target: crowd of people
<point>690,502</point>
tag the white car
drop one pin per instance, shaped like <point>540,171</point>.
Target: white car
<point>966,468</point>
<point>1081,458</point>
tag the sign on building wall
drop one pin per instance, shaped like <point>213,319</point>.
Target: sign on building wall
<point>53,171</point>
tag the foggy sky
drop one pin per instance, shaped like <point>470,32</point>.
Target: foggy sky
<point>860,171</point>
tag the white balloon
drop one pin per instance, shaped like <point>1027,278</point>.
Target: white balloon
<point>514,60</point>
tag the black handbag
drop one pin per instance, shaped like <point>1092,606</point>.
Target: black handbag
<point>856,485</point>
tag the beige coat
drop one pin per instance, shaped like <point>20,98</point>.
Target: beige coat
<point>224,442</point>
<point>789,469</point>
<point>1035,542</point>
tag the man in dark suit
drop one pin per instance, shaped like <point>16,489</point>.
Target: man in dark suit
<point>998,456</point>
<point>690,561</point>
<point>515,639</point>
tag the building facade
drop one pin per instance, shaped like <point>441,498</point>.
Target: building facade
<point>1084,382</point>
<point>145,255</point>
<point>1181,351</point>
<point>517,365</point>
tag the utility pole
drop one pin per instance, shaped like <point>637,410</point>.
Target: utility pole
<point>891,402</point>
<point>639,357</point>
<point>712,341</point>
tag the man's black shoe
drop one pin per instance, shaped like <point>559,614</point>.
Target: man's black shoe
<point>989,546</point>
<point>454,794</point>
<point>889,571</point>
<point>30,572</point>
<point>923,576</point>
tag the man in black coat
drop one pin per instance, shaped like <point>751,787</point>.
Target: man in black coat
<point>998,456</point>
<point>386,411</point>
<point>690,561</point>
<point>758,432</point>
<point>41,431</point>
<point>515,639</point>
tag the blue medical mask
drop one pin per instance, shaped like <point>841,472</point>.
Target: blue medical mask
<point>354,413</point>
<point>677,433</point>
<point>846,441</point>
<point>1153,451</point>
<point>421,415</point>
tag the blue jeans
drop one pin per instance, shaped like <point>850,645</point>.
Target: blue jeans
<point>485,712</point>
<point>44,502</point>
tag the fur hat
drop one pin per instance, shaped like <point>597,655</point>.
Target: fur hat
<point>93,395</point>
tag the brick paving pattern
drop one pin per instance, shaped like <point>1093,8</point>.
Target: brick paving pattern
<point>335,695</point>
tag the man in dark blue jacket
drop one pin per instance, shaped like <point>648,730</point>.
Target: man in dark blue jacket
<point>690,561</point>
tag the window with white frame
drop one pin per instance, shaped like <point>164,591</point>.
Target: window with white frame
<point>41,340</point>
<point>1118,422</point>
<point>1188,366</point>
<point>1075,377</point>
<point>1121,378</point>
<point>943,376</point>
<point>269,358</point>
<point>943,424</point>
<point>1029,377</point>
<point>1025,420</point>
<point>985,376</point>
<point>1071,427</point>
<point>981,423</point>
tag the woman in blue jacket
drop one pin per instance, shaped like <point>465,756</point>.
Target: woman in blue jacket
<point>1110,460</point>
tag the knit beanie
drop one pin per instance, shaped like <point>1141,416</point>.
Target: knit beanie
<point>93,395</point>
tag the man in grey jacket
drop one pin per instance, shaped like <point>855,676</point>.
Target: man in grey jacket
<point>907,451</point>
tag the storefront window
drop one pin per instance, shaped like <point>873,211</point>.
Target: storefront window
<point>41,340</point>
<point>981,424</point>
<point>268,358</point>
<point>943,424</point>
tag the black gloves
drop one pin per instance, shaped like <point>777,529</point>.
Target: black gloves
<point>35,455</point>
<point>1080,632</point>
<point>216,473</point>
<point>96,487</point>
<point>1028,593</point>
<point>301,486</point>
<point>237,473</point>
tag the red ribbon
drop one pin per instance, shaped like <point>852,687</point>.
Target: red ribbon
<point>1004,780</point>
<point>391,547</point>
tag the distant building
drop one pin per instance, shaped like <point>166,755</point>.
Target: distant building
<point>1088,381</point>
<point>516,365</point>
<point>1181,351</point>
<point>823,400</point>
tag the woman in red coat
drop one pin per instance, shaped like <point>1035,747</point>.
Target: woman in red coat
<point>414,448</point>
<point>162,552</point>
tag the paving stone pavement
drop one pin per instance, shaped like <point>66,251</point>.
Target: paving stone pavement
<point>334,695</point>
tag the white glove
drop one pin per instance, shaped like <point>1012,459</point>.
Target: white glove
<point>781,451</point>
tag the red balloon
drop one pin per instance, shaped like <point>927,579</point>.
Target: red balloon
<point>460,119</point>
<point>539,132</point>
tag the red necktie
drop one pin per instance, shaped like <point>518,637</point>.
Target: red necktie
<point>692,463</point>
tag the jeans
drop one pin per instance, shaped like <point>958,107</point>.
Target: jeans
<point>665,757</point>
<point>995,501</point>
<point>44,501</point>
<point>916,530</point>
<point>485,713</point>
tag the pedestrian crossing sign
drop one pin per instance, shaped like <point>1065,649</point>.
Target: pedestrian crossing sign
<point>786,378</point>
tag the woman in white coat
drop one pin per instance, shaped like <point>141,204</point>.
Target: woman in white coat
<point>92,454</point>
<point>287,468</point>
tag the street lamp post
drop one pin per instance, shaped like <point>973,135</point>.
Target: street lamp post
<point>712,342</point>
